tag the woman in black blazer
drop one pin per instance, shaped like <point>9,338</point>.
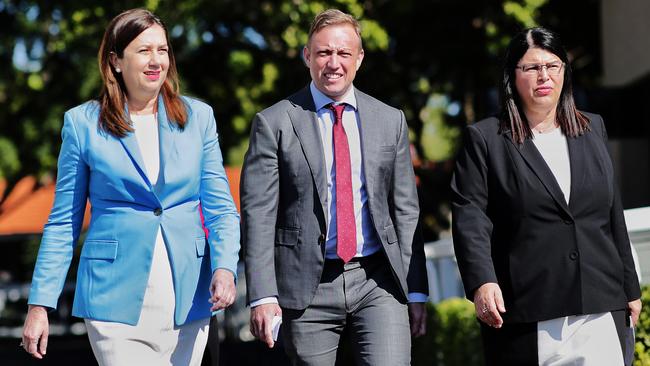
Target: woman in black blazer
<point>538,225</point>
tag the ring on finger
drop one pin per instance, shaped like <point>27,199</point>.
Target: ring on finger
<point>484,309</point>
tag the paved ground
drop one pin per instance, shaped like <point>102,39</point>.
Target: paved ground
<point>75,351</point>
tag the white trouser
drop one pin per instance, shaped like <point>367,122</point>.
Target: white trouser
<point>154,340</point>
<point>579,340</point>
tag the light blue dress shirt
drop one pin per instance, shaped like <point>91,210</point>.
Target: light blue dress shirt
<point>367,240</point>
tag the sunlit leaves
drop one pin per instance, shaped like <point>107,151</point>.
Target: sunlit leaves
<point>9,163</point>
<point>524,11</point>
<point>374,36</point>
<point>270,74</point>
<point>35,81</point>
<point>438,139</point>
<point>240,61</point>
<point>152,5</point>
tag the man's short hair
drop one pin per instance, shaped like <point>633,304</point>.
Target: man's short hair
<point>331,17</point>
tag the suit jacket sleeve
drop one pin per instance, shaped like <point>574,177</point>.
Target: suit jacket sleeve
<point>619,233</point>
<point>259,203</point>
<point>64,224</point>
<point>219,211</point>
<point>471,226</point>
<point>406,214</point>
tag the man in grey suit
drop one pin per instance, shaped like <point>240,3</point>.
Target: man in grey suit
<point>329,214</point>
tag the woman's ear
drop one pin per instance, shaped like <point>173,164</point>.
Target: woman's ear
<point>115,62</point>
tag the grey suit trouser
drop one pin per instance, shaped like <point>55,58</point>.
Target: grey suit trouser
<point>361,295</point>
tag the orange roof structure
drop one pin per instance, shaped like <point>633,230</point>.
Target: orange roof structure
<point>234,174</point>
<point>3,186</point>
<point>26,208</point>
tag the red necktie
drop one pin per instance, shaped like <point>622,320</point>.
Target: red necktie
<point>346,228</point>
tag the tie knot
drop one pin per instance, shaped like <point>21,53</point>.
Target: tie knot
<point>338,110</point>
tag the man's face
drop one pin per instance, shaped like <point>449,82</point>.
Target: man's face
<point>333,57</point>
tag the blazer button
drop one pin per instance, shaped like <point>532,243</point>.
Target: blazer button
<point>573,256</point>
<point>568,222</point>
<point>321,239</point>
<point>157,211</point>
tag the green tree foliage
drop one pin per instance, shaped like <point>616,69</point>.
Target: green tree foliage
<point>240,56</point>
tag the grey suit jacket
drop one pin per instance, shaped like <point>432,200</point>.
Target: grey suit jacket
<point>284,199</point>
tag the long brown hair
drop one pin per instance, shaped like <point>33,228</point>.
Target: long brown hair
<point>571,121</point>
<point>123,29</point>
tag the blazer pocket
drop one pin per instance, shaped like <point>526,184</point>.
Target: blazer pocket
<point>387,148</point>
<point>200,246</point>
<point>391,235</point>
<point>286,237</point>
<point>99,249</point>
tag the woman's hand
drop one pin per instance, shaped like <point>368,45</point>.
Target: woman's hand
<point>635,309</point>
<point>222,289</point>
<point>36,331</point>
<point>489,305</point>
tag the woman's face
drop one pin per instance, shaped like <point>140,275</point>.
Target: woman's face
<point>539,79</point>
<point>144,63</point>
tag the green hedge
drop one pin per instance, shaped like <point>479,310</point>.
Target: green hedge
<point>642,347</point>
<point>453,337</point>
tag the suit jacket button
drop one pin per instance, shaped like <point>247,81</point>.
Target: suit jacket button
<point>157,211</point>
<point>321,239</point>
<point>574,255</point>
<point>568,222</point>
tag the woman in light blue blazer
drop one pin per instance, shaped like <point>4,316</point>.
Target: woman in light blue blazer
<point>144,157</point>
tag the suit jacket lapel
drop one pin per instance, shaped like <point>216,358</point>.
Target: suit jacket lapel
<point>166,145</point>
<point>130,144</point>
<point>577,154</point>
<point>305,124</point>
<point>166,141</point>
<point>370,136</point>
<point>538,165</point>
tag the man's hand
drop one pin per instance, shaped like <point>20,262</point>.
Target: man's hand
<point>418,318</point>
<point>261,318</point>
<point>635,309</point>
<point>488,301</point>
<point>222,289</point>
<point>35,331</point>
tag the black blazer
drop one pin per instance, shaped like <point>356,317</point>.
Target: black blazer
<point>512,225</point>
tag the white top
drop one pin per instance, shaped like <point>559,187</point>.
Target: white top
<point>146,132</point>
<point>367,241</point>
<point>555,151</point>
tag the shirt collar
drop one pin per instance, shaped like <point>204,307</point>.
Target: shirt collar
<point>321,100</point>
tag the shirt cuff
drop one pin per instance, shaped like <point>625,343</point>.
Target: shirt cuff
<point>416,297</point>
<point>264,300</point>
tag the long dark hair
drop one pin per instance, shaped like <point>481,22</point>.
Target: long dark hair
<point>571,121</point>
<point>123,29</point>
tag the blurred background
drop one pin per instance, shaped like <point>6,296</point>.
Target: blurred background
<point>438,60</point>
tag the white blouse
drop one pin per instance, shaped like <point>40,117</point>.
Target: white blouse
<point>555,151</point>
<point>146,132</point>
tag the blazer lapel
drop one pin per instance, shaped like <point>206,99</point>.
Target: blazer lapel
<point>166,140</point>
<point>538,165</point>
<point>130,144</point>
<point>577,154</point>
<point>305,124</point>
<point>370,136</point>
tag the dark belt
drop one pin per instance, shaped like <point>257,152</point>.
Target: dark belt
<point>374,256</point>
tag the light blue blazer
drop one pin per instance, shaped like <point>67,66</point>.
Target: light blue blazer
<point>126,212</point>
